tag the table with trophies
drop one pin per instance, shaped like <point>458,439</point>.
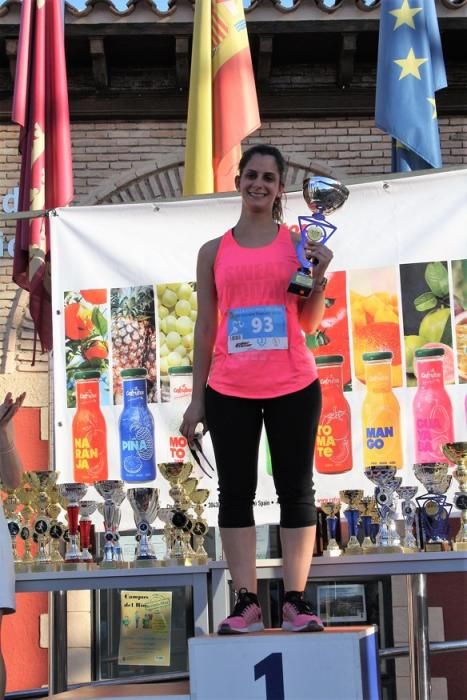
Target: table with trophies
<point>53,522</point>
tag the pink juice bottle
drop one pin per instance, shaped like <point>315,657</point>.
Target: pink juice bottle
<point>432,408</point>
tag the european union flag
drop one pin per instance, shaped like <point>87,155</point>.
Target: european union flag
<point>410,71</point>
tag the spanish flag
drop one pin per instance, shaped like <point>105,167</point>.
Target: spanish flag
<point>40,108</point>
<point>222,105</point>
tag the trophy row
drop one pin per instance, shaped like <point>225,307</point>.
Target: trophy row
<point>33,513</point>
<point>371,520</point>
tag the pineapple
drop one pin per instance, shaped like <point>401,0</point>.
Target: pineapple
<point>133,331</point>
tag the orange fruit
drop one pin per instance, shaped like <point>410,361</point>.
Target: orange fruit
<point>375,337</point>
<point>78,321</point>
<point>96,350</point>
<point>94,296</point>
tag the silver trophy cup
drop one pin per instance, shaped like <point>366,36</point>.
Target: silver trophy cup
<point>145,504</point>
<point>113,494</point>
<point>72,494</point>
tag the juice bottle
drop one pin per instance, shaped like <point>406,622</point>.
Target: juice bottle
<point>136,428</point>
<point>333,449</point>
<point>89,431</point>
<point>382,444</point>
<point>432,408</point>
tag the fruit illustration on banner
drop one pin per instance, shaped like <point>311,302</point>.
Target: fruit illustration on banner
<point>426,314</point>
<point>178,310</point>
<point>332,336</point>
<point>134,341</point>
<point>86,338</point>
<point>375,318</point>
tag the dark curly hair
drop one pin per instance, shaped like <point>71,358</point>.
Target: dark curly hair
<point>263,149</point>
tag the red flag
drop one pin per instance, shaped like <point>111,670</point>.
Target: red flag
<point>40,107</point>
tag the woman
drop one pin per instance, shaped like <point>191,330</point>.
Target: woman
<point>242,277</point>
<point>10,476</point>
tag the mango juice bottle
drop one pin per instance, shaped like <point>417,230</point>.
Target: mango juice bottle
<point>382,443</point>
<point>432,408</point>
<point>333,449</point>
<point>89,431</point>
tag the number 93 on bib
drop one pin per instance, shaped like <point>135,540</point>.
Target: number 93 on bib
<point>256,328</point>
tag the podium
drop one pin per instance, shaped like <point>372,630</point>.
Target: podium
<point>339,663</point>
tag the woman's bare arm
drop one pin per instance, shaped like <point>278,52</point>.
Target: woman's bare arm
<point>11,467</point>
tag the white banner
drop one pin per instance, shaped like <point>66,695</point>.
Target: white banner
<point>124,295</point>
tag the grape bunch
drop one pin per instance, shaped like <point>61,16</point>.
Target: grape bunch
<point>178,309</point>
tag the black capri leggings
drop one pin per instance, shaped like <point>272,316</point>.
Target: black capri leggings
<point>291,422</point>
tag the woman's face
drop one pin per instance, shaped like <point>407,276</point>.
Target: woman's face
<point>259,184</point>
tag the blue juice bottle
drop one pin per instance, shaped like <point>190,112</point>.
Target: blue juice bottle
<point>136,429</point>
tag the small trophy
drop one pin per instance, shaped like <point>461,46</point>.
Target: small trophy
<point>72,494</point>
<point>56,528</point>
<point>456,452</point>
<point>331,508</point>
<point>13,518</point>
<point>113,494</point>
<point>178,476</point>
<point>387,538</point>
<point>200,525</point>
<point>86,509</point>
<point>323,195</point>
<point>42,482</point>
<point>409,512</point>
<point>145,504</point>
<point>26,496</point>
<point>434,509</point>
<point>352,498</point>
<point>368,513</point>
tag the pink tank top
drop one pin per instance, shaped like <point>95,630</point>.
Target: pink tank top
<point>260,349</point>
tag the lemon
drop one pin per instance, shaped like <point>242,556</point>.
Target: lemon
<point>412,343</point>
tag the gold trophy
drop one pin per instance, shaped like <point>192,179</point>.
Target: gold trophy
<point>26,496</point>
<point>456,452</point>
<point>331,508</point>
<point>177,474</point>
<point>42,482</point>
<point>200,525</point>
<point>352,497</point>
<point>13,518</point>
<point>368,517</point>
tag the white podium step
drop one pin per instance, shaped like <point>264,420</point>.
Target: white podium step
<point>340,663</point>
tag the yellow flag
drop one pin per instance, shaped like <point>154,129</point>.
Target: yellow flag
<point>199,177</point>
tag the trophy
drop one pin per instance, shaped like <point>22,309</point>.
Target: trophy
<point>42,482</point>
<point>145,504</point>
<point>113,494</point>
<point>352,498</point>
<point>323,195</point>
<point>409,512</point>
<point>456,452</point>
<point>331,508</point>
<point>72,494</point>
<point>56,529</point>
<point>26,496</point>
<point>387,540</point>
<point>368,514</point>
<point>200,525</point>
<point>178,476</point>
<point>13,518</point>
<point>434,510</point>
<point>86,509</point>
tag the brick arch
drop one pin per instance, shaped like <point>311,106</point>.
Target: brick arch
<point>163,179</point>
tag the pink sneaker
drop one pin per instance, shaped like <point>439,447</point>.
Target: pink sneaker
<point>297,616</point>
<point>246,616</point>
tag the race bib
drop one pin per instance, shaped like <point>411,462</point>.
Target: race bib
<point>257,328</point>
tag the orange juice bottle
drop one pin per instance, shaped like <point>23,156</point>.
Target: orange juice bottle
<point>382,443</point>
<point>333,449</point>
<point>89,431</point>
